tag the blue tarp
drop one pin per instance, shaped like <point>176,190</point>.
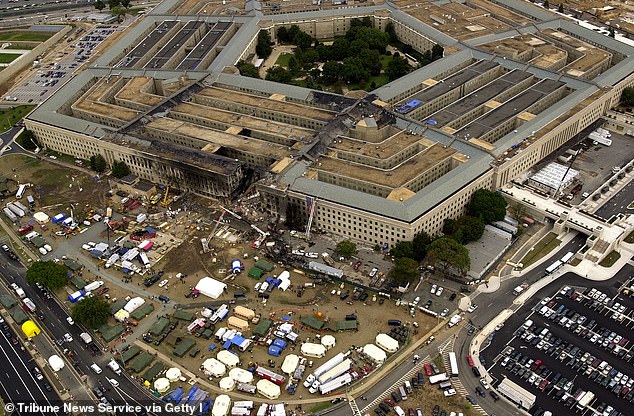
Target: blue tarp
<point>280,343</point>
<point>59,218</point>
<point>275,351</point>
<point>237,340</point>
<point>226,345</point>
<point>212,347</point>
<point>190,395</point>
<point>286,318</point>
<point>122,251</point>
<point>175,396</point>
<point>150,230</point>
<point>205,407</point>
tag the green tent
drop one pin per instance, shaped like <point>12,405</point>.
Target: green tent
<point>159,326</point>
<point>154,371</point>
<point>184,346</point>
<point>130,353</point>
<point>256,273</point>
<point>119,304</point>
<point>72,264</point>
<point>19,316</point>
<point>262,328</point>
<point>183,315</point>
<point>141,361</point>
<point>78,282</point>
<point>112,332</point>
<point>264,265</point>
<point>346,325</point>
<point>142,311</point>
<point>312,322</point>
<point>38,242</point>
<point>7,301</point>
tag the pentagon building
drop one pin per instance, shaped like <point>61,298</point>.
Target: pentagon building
<point>515,84</point>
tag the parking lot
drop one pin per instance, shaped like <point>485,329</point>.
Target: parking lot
<point>51,75</point>
<point>572,341</point>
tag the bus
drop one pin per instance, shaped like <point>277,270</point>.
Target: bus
<point>453,363</point>
<point>553,267</point>
<point>21,190</point>
<point>567,257</point>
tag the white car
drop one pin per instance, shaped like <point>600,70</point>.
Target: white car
<point>114,382</point>
<point>433,289</point>
<point>444,312</point>
<point>416,300</point>
<point>449,392</point>
<point>67,337</point>
<point>472,308</point>
<point>439,291</point>
<point>484,384</point>
<point>70,321</point>
<point>163,282</point>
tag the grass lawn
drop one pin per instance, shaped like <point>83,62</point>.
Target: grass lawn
<point>283,59</point>
<point>16,46</point>
<point>610,259</point>
<point>8,117</point>
<point>7,58</point>
<point>630,238</point>
<point>543,247</point>
<point>320,406</point>
<point>36,36</point>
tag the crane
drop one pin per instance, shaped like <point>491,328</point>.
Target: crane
<point>166,202</point>
<point>205,241</point>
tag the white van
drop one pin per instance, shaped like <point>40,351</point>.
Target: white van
<point>399,411</point>
<point>95,368</point>
<point>527,324</point>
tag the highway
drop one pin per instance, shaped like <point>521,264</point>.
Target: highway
<point>55,325</point>
<point>618,203</point>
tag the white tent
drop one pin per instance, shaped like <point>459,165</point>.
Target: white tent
<point>285,275</point>
<point>214,368</point>
<point>133,304</point>
<point>121,315</point>
<point>268,389</point>
<point>241,375</point>
<point>313,350</point>
<point>56,363</point>
<point>284,284</point>
<point>221,405</point>
<point>375,353</point>
<point>387,343</point>
<point>173,374</point>
<point>227,358</point>
<point>290,363</point>
<point>227,384</point>
<point>328,341</point>
<point>41,217</point>
<point>162,385</point>
<point>210,287</point>
<point>286,327</point>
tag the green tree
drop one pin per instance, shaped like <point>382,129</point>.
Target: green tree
<point>397,67</point>
<point>47,273</point>
<point>447,255</point>
<point>92,312</point>
<point>282,35</point>
<point>98,163</point>
<point>119,12</point>
<point>419,245</point>
<point>113,3</point>
<point>263,47</point>
<point>353,70</point>
<point>404,271</point>
<point>627,97</point>
<point>293,65</point>
<point>303,40</point>
<point>339,49</point>
<point>346,248</point>
<point>391,32</point>
<point>278,74</point>
<point>375,38</point>
<point>464,229</point>
<point>371,60</point>
<point>403,249</point>
<point>546,4</point>
<point>125,3</point>
<point>100,5</point>
<point>120,169</point>
<point>247,69</point>
<point>331,71</point>
<point>560,9</point>
<point>489,206</point>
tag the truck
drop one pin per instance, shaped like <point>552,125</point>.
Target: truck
<point>454,320</point>
<point>145,260</point>
<point>267,374</point>
<point>28,305</point>
<point>335,383</point>
<point>328,364</point>
<point>438,378</point>
<point>519,289</point>
<point>16,210</point>
<point>85,337</point>
<point>20,292</point>
<point>10,214</point>
<point>93,286</point>
<point>247,388</point>
<point>585,400</point>
<point>114,367</point>
<point>335,372</point>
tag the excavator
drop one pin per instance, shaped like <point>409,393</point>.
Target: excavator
<point>166,201</point>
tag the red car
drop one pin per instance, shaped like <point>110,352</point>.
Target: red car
<point>390,402</point>
<point>470,360</point>
<point>102,291</point>
<point>543,384</point>
<point>357,266</point>
<point>428,370</point>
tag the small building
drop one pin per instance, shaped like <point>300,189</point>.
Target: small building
<point>141,361</point>
<point>210,287</point>
<point>244,313</point>
<point>328,341</point>
<point>241,375</point>
<point>182,347</point>
<point>159,326</point>
<point>227,384</point>
<point>183,315</point>
<point>222,405</point>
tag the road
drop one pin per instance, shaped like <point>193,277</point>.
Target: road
<point>55,324</point>
<point>618,203</point>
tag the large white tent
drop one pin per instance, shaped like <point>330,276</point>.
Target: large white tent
<point>173,374</point>
<point>241,375</point>
<point>56,363</point>
<point>328,341</point>
<point>222,405</point>
<point>162,385</point>
<point>313,350</point>
<point>133,304</point>
<point>210,287</point>
<point>214,367</point>
<point>375,353</point>
<point>227,358</point>
<point>268,389</point>
<point>227,384</point>
<point>290,363</point>
<point>387,343</point>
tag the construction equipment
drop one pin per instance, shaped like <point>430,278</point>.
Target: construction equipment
<point>205,241</point>
<point>166,201</point>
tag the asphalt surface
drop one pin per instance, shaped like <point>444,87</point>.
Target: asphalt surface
<point>506,337</point>
<point>55,324</point>
<point>17,382</point>
<point>618,203</point>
